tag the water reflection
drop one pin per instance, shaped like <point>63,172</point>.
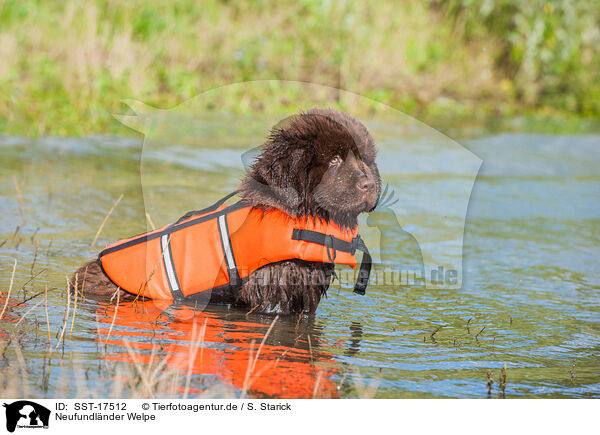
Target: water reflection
<point>225,345</point>
<point>531,278</point>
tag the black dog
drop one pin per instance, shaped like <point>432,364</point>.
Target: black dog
<point>320,163</point>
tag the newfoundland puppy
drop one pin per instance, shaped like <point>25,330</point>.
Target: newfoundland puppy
<point>320,163</point>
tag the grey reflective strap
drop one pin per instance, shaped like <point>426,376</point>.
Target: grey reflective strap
<point>167,255</point>
<point>234,277</point>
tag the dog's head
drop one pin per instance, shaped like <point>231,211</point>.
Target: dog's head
<point>319,163</point>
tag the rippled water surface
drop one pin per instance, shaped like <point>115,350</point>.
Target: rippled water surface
<point>529,300</point>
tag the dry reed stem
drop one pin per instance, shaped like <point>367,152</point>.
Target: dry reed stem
<point>31,279</point>
<point>193,352</point>
<point>27,312</point>
<point>63,382</point>
<point>435,332</point>
<point>252,360</point>
<point>263,341</point>
<point>112,323</point>
<point>35,234</point>
<point>12,278</point>
<point>105,219</point>
<point>48,320</point>
<point>145,283</point>
<point>143,376</point>
<point>117,387</point>
<point>477,336</point>
<point>175,381</point>
<point>27,299</point>
<point>365,391</point>
<point>490,381</point>
<point>191,355</point>
<point>102,347</point>
<point>17,229</point>
<point>159,367</point>
<point>150,221</point>
<point>202,336</point>
<point>252,310</point>
<point>23,367</point>
<point>572,371</point>
<point>254,376</point>
<point>152,355</point>
<point>74,305</point>
<point>66,318</point>
<point>317,383</point>
<point>503,378</point>
<point>246,384</point>
<point>310,349</point>
<point>83,282</point>
<point>80,385</point>
<point>148,379</point>
<point>342,380</point>
<point>279,359</point>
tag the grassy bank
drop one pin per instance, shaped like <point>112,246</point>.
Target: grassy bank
<point>65,65</point>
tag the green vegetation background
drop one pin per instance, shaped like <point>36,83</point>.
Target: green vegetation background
<point>65,65</point>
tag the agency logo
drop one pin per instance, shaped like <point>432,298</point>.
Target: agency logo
<point>25,414</point>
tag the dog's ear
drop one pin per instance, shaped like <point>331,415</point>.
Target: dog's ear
<point>283,175</point>
<point>278,177</point>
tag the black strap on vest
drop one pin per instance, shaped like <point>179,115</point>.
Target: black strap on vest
<point>333,244</point>
<point>208,209</point>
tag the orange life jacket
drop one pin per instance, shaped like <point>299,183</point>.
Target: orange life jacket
<point>221,246</point>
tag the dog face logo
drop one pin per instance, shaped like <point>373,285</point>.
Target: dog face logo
<point>26,414</point>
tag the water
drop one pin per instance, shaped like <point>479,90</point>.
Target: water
<point>529,299</point>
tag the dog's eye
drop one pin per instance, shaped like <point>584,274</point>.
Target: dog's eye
<point>336,161</point>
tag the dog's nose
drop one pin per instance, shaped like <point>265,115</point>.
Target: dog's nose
<point>365,183</point>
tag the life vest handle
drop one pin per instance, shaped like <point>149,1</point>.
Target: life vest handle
<point>173,280</point>
<point>208,209</point>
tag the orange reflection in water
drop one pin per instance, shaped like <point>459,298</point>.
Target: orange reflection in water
<point>6,309</point>
<point>289,363</point>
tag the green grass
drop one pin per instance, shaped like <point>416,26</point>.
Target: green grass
<point>65,65</point>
